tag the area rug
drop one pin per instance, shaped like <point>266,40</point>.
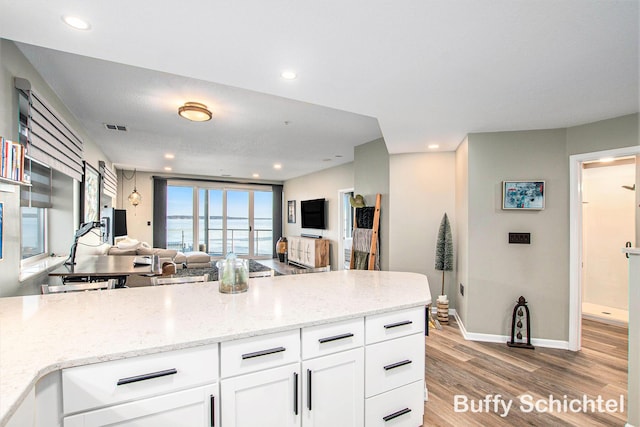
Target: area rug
<point>254,266</point>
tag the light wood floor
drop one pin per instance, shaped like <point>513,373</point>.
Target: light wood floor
<point>458,367</point>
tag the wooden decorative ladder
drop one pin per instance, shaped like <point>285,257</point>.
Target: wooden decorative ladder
<point>374,237</point>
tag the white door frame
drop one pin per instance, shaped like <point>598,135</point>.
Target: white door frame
<point>575,236</point>
<point>341,194</point>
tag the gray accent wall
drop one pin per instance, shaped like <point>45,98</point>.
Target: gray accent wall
<point>371,176</point>
<point>461,227</point>
<point>494,272</point>
<point>499,272</point>
<point>603,135</point>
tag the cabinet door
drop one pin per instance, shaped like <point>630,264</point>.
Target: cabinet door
<point>193,407</point>
<point>333,390</point>
<point>268,398</point>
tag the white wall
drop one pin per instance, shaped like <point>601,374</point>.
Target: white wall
<point>139,218</point>
<point>324,184</point>
<point>422,188</point>
<point>608,222</point>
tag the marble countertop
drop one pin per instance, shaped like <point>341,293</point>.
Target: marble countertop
<point>43,333</point>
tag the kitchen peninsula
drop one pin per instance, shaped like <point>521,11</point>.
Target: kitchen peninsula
<point>298,325</point>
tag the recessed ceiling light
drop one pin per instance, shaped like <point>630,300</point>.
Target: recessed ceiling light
<point>277,166</point>
<point>288,75</point>
<point>327,160</point>
<point>338,155</point>
<point>77,23</point>
<point>256,175</point>
<point>169,156</point>
<point>606,159</point>
<point>167,168</point>
<point>433,146</point>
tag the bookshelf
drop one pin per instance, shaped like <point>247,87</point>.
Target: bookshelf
<point>12,162</point>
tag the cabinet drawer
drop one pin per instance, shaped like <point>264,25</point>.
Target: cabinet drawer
<point>192,407</point>
<point>256,353</point>
<point>108,383</point>
<point>402,407</point>
<point>395,324</point>
<point>394,363</point>
<point>326,339</point>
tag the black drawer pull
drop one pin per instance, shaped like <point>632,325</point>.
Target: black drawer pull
<point>396,414</point>
<point>397,365</point>
<point>263,352</point>
<point>309,388</point>
<point>335,338</point>
<point>145,377</point>
<point>213,410</point>
<point>295,393</point>
<point>395,325</point>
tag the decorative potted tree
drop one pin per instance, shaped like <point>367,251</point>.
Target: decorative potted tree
<point>444,262</point>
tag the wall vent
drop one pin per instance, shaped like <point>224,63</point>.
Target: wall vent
<point>122,128</point>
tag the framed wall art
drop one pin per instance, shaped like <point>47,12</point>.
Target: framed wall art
<point>523,195</point>
<point>90,194</point>
<point>291,211</point>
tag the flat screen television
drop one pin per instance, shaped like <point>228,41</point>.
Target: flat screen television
<point>312,214</point>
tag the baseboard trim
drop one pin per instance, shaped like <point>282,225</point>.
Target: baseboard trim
<point>472,336</point>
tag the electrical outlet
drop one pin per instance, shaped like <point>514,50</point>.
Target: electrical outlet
<point>523,238</point>
<point>461,289</point>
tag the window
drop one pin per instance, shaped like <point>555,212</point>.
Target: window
<point>34,232</point>
<point>180,218</point>
<point>238,219</point>
<point>34,201</point>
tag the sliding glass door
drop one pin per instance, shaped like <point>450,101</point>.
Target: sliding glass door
<point>238,220</point>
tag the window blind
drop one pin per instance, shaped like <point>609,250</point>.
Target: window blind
<point>50,139</point>
<point>38,195</point>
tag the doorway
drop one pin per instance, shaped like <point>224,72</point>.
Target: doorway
<point>608,223</point>
<point>346,229</point>
<point>577,244</point>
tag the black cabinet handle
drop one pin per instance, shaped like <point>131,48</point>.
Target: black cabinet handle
<point>396,414</point>
<point>295,393</point>
<point>627,245</point>
<point>397,365</point>
<point>144,377</point>
<point>395,325</point>
<point>263,352</point>
<point>335,338</point>
<point>309,389</point>
<point>213,410</point>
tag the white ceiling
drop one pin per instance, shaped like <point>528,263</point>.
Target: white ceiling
<point>429,71</point>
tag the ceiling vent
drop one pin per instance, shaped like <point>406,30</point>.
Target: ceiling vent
<point>122,128</point>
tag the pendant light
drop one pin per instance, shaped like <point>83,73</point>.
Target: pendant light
<point>135,198</point>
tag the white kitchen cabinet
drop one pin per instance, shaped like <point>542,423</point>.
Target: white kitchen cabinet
<point>308,252</point>
<point>270,397</point>
<point>193,407</point>
<point>332,390</point>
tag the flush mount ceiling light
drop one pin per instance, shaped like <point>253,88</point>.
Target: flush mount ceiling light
<point>288,75</point>
<point>77,23</point>
<point>195,112</point>
<point>433,146</point>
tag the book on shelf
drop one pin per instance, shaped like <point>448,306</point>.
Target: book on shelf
<point>12,160</point>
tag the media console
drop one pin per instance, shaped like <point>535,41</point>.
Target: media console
<point>308,252</point>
